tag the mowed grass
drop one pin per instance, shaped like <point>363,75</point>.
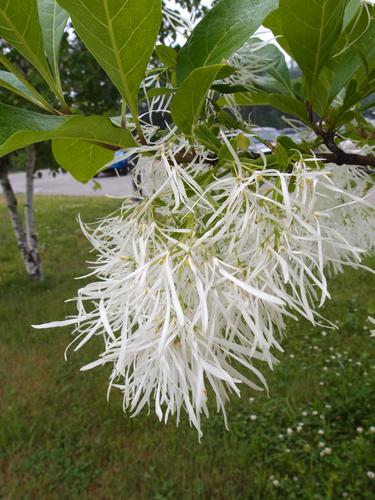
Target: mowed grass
<point>59,438</point>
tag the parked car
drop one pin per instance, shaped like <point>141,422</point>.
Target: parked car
<point>121,167</point>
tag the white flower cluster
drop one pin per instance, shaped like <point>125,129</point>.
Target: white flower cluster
<point>193,283</point>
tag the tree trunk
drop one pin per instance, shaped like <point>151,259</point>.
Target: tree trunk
<point>31,233</point>
<point>26,236</point>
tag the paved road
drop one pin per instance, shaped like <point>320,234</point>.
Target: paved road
<point>64,184</point>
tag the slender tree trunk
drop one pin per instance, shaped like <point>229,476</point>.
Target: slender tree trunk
<point>31,233</point>
<point>25,235</point>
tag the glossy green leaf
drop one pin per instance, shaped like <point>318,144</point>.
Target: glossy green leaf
<point>243,142</point>
<point>289,105</point>
<point>20,128</point>
<point>282,156</point>
<point>221,32</point>
<point>311,30</point>
<point>190,98</point>
<point>227,119</point>
<point>158,91</point>
<point>207,137</point>
<point>10,82</point>
<point>273,23</point>
<point>19,26</point>
<point>226,71</point>
<point>356,41</point>
<point>351,11</point>
<point>53,20</point>
<point>167,55</point>
<point>81,159</point>
<point>248,99</point>
<point>121,36</point>
<point>320,96</point>
<point>15,81</point>
<point>275,77</point>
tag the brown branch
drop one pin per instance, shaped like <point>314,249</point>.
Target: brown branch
<point>342,158</point>
<point>339,156</point>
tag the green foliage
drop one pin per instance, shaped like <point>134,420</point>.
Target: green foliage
<point>10,81</point>
<point>53,20</point>
<point>276,73</point>
<point>355,45</point>
<point>222,31</point>
<point>289,105</point>
<point>20,128</point>
<point>331,40</point>
<point>121,36</point>
<point>19,25</point>
<point>167,55</point>
<point>188,104</point>
<point>311,30</point>
<point>82,159</point>
<point>59,438</point>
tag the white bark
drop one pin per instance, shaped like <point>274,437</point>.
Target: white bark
<point>26,236</point>
<point>31,233</point>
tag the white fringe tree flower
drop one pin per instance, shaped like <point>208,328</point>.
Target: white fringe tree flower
<point>229,232</point>
<point>192,286</point>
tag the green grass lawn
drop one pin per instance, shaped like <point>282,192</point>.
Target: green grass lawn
<point>59,438</point>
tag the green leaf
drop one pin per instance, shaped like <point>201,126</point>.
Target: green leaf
<point>228,88</point>
<point>221,32</point>
<point>15,81</point>
<point>248,99</point>
<point>190,98</point>
<point>96,129</point>
<point>167,55</point>
<point>311,30</point>
<point>282,156</point>
<point>351,10</point>
<point>121,36</point>
<point>19,26</point>
<point>20,128</point>
<point>10,82</point>
<point>160,91</point>
<point>225,72</point>
<point>228,119</point>
<point>243,142</point>
<point>288,143</point>
<point>207,137</point>
<point>275,77</point>
<point>359,38</point>
<point>320,96</point>
<point>289,105</point>
<point>81,159</point>
<point>53,20</point>
<point>273,23</point>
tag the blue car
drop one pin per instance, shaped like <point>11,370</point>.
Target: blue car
<point>121,167</point>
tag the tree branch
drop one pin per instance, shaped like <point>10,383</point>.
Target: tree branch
<point>342,158</point>
<point>339,156</point>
